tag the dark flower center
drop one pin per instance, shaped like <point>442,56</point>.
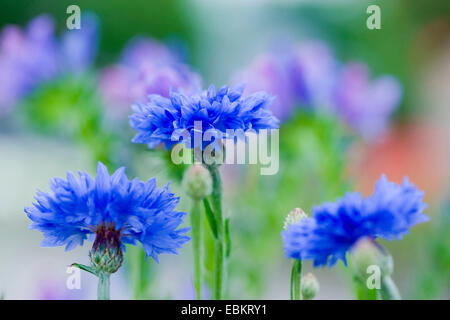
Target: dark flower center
<point>106,237</point>
<point>106,253</point>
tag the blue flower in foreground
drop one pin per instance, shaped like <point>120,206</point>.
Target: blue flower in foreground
<point>113,208</point>
<point>217,112</point>
<point>335,227</point>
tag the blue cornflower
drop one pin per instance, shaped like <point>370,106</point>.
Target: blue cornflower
<point>117,211</point>
<point>158,120</point>
<point>335,227</point>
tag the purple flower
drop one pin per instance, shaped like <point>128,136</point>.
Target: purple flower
<point>147,67</point>
<point>26,58</point>
<point>335,227</point>
<point>313,70</point>
<point>79,47</point>
<point>298,76</point>
<point>269,73</point>
<point>363,104</point>
<point>311,77</point>
<point>31,56</point>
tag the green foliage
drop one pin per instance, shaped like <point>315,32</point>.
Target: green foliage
<point>313,151</point>
<point>432,271</point>
<point>69,108</point>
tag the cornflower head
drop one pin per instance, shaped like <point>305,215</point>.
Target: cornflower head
<point>112,209</point>
<point>336,227</point>
<point>179,117</point>
<point>146,67</point>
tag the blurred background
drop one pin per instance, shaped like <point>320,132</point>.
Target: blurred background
<point>353,103</point>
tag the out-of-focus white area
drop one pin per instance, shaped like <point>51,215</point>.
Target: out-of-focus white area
<point>225,28</point>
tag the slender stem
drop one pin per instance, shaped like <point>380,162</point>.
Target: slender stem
<point>363,292</point>
<point>140,272</point>
<point>296,280</point>
<point>292,282</point>
<point>219,270</point>
<point>220,240</point>
<point>103,286</point>
<point>196,223</point>
<point>389,290</point>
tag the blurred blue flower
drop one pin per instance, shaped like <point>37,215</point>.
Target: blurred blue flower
<point>31,56</point>
<point>26,58</point>
<point>313,71</point>
<point>162,117</point>
<point>269,73</point>
<point>298,76</point>
<point>79,47</point>
<point>146,67</point>
<point>133,210</point>
<point>309,76</point>
<point>335,227</point>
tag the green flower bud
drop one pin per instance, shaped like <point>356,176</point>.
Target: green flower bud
<point>310,286</point>
<point>365,253</point>
<point>106,254</point>
<point>197,182</point>
<point>294,216</point>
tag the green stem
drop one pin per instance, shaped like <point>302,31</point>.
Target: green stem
<point>296,280</point>
<point>389,290</point>
<point>196,223</point>
<point>363,292</point>
<point>103,286</point>
<point>216,197</point>
<point>141,272</point>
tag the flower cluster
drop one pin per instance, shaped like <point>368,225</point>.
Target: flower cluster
<point>310,76</point>
<point>110,207</point>
<point>335,227</point>
<point>158,120</point>
<point>146,67</point>
<point>33,55</point>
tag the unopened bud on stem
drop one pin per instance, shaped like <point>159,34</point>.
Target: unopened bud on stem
<point>294,216</point>
<point>310,286</point>
<point>197,182</point>
<point>365,253</point>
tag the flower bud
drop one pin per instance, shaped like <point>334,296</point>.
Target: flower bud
<point>294,216</point>
<point>197,182</point>
<point>310,286</point>
<point>106,254</point>
<point>366,253</point>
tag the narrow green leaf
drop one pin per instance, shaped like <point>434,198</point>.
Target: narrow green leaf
<point>227,238</point>
<point>210,217</point>
<point>85,268</point>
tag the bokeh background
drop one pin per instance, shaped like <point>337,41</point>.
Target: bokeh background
<point>71,118</point>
